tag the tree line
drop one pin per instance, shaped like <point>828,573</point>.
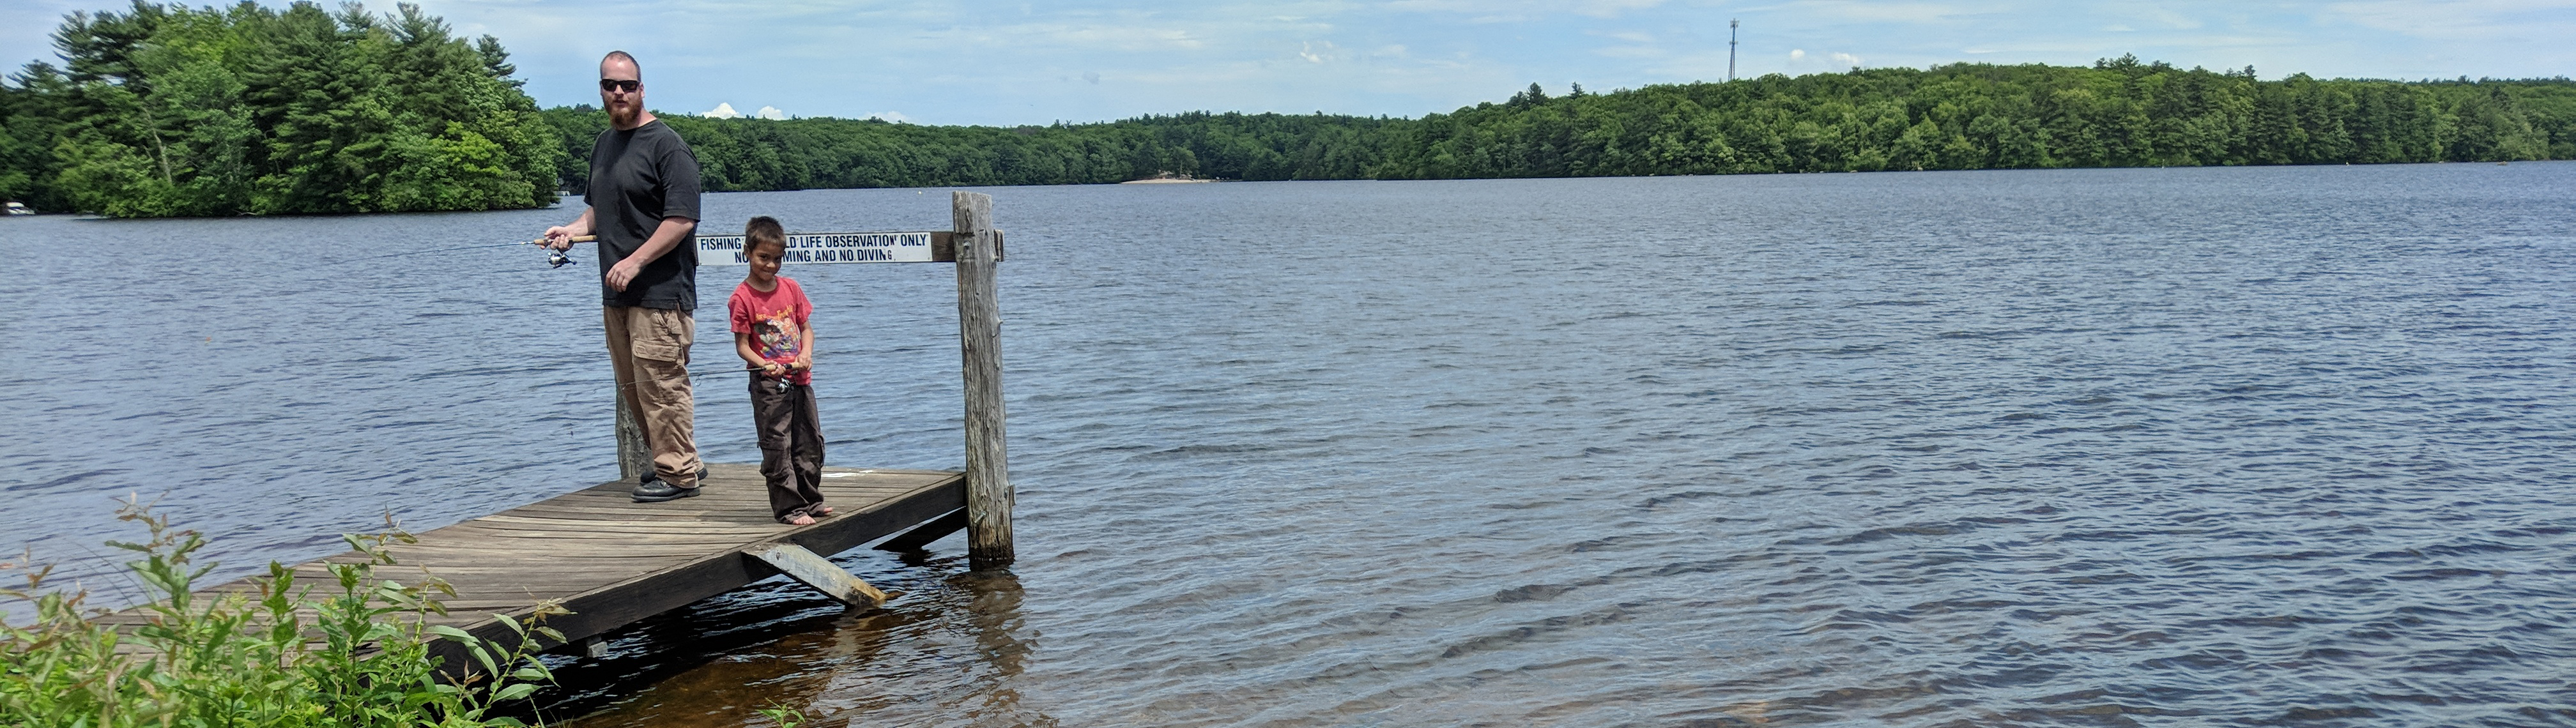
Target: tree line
<point>2116,113</point>
<point>163,110</point>
<point>171,111</point>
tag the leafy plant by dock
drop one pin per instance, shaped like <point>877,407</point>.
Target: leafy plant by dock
<point>351,652</point>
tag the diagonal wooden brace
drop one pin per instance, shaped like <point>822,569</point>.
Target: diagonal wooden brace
<point>820,573</point>
<point>931,530</point>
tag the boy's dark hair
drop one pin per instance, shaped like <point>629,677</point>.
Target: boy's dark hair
<point>763,230</point>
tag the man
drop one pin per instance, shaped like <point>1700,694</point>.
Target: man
<point>643,205</point>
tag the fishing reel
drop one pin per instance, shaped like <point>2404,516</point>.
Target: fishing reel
<point>557,258</point>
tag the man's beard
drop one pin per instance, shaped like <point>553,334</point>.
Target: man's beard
<point>624,115</point>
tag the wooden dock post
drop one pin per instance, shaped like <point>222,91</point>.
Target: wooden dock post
<point>979,333</point>
<point>634,457</point>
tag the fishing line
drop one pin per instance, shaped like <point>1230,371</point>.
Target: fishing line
<point>425,252</point>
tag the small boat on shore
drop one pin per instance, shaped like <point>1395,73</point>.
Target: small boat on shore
<point>18,208</point>
<point>1166,178</point>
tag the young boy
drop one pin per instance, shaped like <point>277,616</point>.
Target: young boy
<point>771,334</point>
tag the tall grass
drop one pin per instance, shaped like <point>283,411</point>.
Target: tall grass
<point>352,651</point>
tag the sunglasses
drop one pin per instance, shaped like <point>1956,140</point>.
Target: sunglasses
<point>611,84</point>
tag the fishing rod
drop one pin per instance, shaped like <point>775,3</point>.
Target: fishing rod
<point>779,384</point>
<point>775,385</point>
<point>555,259</point>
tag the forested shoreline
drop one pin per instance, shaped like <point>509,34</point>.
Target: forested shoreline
<point>2117,113</point>
<point>167,111</point>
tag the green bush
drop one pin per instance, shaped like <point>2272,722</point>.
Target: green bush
<point>353,651</point>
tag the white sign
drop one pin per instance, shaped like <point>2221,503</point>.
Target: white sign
<point>824,248</point>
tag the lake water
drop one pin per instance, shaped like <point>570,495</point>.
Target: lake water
<point>2100,447</point>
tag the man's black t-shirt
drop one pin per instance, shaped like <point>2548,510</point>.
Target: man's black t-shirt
<point>638,177</point>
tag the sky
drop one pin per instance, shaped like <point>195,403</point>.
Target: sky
<point>995,63</point>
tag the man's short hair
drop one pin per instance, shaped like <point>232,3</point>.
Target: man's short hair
<point>623,56</point>
<point>763,230</point>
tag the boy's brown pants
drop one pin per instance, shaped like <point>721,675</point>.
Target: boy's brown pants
<point>649,348</point>
<point>791,445</point>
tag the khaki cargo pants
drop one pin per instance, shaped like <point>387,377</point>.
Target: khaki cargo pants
<point>649,347</point>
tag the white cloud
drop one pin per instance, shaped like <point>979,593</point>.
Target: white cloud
<point>1887,12</point>
<point>1797,54</point>
<point>1485,10</point>
<point>771,113</point>
<point>2472,20</point>
<point>2157,17</point>
<point>723,111</point>
<point>1116,37</point>
<point>1846,59</point>
<point>1636,45</point>
<point>1612,8</point>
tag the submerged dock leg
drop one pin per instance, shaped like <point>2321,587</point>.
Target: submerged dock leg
<point>818,572</point>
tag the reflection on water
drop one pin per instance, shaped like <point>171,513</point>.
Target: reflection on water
<point>949,645</point>
<point>2082,447</point>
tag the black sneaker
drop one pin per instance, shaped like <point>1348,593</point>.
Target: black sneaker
<point>656,491</point>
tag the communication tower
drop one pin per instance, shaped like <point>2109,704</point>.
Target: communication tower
<point>1730,49</point>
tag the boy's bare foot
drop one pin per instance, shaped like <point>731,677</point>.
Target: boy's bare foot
<point>799,520</point>
<point>821,510</point>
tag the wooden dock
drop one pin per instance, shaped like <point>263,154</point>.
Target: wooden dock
<point>613,561</point>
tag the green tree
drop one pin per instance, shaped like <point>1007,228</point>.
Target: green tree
<point>168,110</point>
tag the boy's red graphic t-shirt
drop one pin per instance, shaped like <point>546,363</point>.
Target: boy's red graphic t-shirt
<point>775,319</point>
